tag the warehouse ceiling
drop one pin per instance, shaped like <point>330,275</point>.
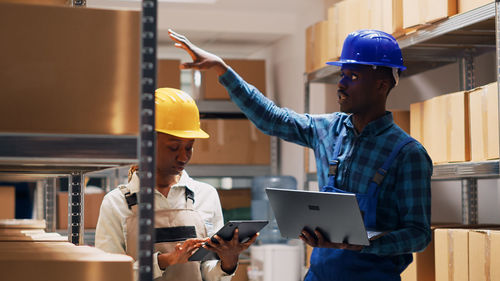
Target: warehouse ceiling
<point>225,26</point>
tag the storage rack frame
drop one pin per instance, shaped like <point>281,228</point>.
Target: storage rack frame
<point>457,39</point>
<point>45,157</point>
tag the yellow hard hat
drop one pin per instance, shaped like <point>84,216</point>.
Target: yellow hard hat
<point>177,114</point>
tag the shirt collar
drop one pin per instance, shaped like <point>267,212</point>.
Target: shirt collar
<point>184,181</point>
<point>375,127</point>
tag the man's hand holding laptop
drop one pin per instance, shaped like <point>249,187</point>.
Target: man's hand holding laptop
<point>317,239</point>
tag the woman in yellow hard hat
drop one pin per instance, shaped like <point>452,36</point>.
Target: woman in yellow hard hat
<point>186,211</point>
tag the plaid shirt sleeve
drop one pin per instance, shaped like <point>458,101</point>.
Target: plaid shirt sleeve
<point>414,206</point>
<point>267,116</point>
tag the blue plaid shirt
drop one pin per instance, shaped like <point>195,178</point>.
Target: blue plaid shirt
<point>405,195</point>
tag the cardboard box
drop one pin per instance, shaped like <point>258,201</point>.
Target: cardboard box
<point>387,15</point>
<point>232,141</point>
<point>484,123</point>
<point>253,71</point>
<point>235,198</point>
<point>241,273</point>
<point>457,127</point>
<point>467,5</point>
<point>484,255</point>
<point>317,43</point>
<point>92,205</point>
<point>422,267</point>
<point>332,49</point>
<point>434,129</point>
<point>451,253</point>
<point>414,13</point>
<point>416,124</point>
<point>7,202</point>
<point>402,119</point>
<point>441,124</point>
<point>79,79</point>
<point>436,10</point>
<point>41,2</point>
<point>169,74</point>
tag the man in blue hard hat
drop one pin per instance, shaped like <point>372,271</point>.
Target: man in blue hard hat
<point>359,150</point>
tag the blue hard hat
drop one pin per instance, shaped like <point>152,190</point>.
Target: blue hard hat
<point>371,47</point>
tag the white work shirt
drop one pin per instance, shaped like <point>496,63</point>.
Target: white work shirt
<point>111,225</point>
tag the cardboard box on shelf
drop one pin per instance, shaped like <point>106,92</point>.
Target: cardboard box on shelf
<point>169,74</point>
<point>235,198</point>
<point>7,202</point>
<point>484,122</point>
<point>439,9</point>
<point>332,34</point>
<point>457,127</point>
<point>441,124</point>
<point>467,5</point>
<point>451,254</point>
<point>253,71</point>
<point>387,15</point>
<point>317,45</point>
<point>416,124</point>
<point>434,128</point>
<point>414,13</point>
<point>232,141</point>
<point>92,205</point>
<point>43,83</point>
<point>423,265</point>
<point>402,119</point>
<point>484,255</point>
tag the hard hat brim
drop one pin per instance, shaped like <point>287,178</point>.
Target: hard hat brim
<point>341,62</point>
<point>195,134</point>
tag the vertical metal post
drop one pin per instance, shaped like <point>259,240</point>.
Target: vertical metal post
<point>40,200</point>
<point>469,201</point>
<point>307,109</point>
<point>50,204</point>
<point>76,192</point>
<point>467,79</point>
<point>147,143</point>
<point>469,185</point>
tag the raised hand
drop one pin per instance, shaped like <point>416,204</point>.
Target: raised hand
<point>202,60</point>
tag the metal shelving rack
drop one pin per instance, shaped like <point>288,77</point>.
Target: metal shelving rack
<point>457,39</point>
<point>44,157</point>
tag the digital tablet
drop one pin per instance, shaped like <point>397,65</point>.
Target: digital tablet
<point>247,229</point>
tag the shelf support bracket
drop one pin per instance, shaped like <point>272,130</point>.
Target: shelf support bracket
<point>76,193</point>
<point>469,201</point>
<point>50,204</point>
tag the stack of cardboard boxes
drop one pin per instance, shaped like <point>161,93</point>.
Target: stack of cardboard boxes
<point>28,253</point>
<point>458,127</point>
<point>324,40</point>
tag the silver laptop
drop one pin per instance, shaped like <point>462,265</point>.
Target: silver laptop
<point>337,214</point>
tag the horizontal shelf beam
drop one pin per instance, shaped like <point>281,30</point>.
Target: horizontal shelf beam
<point>455,171</point>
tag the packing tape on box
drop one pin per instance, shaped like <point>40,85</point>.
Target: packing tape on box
<point>484,121</point>
<point>487,256</point>
<point>450,255</point>
<point>220,132</point>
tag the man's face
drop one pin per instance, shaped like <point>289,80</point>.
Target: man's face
<point>356,89</point>
<point>173,154</point>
